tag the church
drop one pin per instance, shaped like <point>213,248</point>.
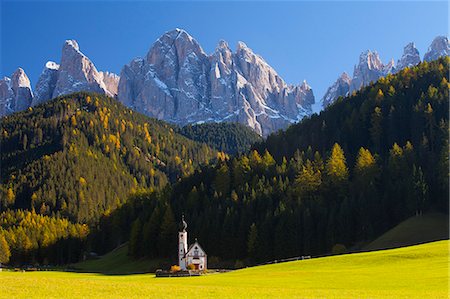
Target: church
<point>190,257</point>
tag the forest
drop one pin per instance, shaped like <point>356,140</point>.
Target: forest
<point>332,182</point>
<point>335,180</point>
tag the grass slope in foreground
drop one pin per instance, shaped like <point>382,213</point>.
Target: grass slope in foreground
<point>419,271</point>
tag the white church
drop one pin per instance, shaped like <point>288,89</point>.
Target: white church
<point>193,255</point>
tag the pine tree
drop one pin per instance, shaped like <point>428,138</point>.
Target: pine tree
<point>252,240</point>
<point>308,180</point>
<point>135,239</point>
<point>168,232</point>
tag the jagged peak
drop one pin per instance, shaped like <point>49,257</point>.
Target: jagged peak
<point>242,46</point>
<point>409,46</point>
<point>345,77</point>
<point>20,77</point>
<point>305,86</point>
<point>440,39</point>
<point>174,34</point>
<point>439,47</point>
<point>222,45</point>
<point>71,44</point>
<point>370,59</point>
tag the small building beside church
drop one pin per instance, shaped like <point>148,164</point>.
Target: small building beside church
<point>190,257</point>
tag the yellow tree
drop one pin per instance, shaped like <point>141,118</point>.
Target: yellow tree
<point>336,167</point>
<point>5,252</point>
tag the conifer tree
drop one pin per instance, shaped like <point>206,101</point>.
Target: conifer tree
<point>336,168</point>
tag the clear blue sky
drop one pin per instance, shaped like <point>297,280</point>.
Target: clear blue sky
<point>315,41</point>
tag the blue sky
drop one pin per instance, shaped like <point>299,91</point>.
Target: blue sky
<point>315,41</point>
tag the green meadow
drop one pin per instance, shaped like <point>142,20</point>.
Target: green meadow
<point>420,271</point>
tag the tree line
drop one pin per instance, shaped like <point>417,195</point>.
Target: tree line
<point>340,178</point>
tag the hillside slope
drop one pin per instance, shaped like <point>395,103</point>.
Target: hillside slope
<point>81,155</point>
<point>415,230</point>
<point>232,138</point>
<point>413,272</point>
<point>118,261</point>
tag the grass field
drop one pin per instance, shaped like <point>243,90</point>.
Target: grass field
<point>419,271</point>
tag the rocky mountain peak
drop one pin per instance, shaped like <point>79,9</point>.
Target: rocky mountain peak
<point>71,44</point>
<point>15,92</point>
<point>304,86</point>
<point>178,82</point>
<point>222,45</point>
<point>389,68</point>
<point>439,47</point>
<point>340,87</point>
<point>46,83</point>
<point>369,69</point>
<point>345,77</point>
<point>20,79</point>
<point>409,58</point>
<point>370,60</point>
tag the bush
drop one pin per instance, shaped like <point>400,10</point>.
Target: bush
<point>175,268</point>
<point>191,267</point>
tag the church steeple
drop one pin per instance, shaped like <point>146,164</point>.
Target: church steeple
<point>182,244</point>
<point>183,224</point>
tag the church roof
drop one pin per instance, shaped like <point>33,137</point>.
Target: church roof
<point>192,245</point>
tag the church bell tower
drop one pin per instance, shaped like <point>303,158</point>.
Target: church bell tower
<point>182,245</point>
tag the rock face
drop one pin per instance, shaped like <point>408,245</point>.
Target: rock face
<point>180,83</point>
<point>339,88</point>
<point>75,73</point>
<point>409,58</point>
<point>369,69</point>
<point>15,93</point>
<point>46,83</point>
<point>111,82</point>
<point>438,48</point>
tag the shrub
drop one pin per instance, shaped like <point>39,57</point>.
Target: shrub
<point>191,267</point>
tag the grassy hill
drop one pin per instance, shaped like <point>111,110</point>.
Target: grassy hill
<point>419,271</point>
<point>118,262</point>
<point>414,230</point>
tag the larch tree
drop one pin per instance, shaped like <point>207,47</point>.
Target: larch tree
<point>336,167</point>
<point>5,252</point>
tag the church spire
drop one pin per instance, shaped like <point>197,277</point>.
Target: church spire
<point>183,223</point>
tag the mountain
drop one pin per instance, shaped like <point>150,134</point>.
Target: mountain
<point>178,82</point>
<point>15,92</point>
<point>409,58</point>
<point>81,155</point>
<point>439,47</point>
<point>339,88</point>
<point>75,73</point>
<point>370,68</point>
